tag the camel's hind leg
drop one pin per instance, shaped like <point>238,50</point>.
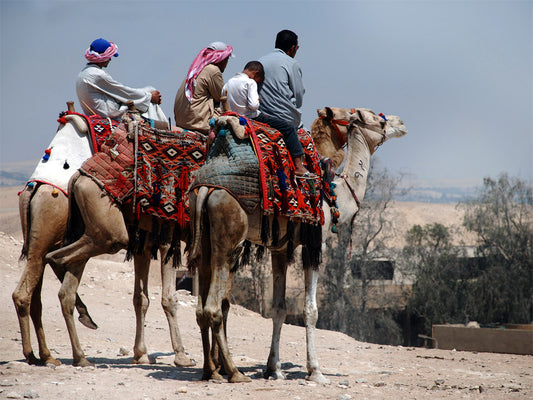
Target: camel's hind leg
<point>279,312</point>
<point>169,302</point>
<point>204,279</point>
<point>48,213</point>
<point>226,236</point>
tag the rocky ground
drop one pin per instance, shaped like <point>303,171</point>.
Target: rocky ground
<point>356,370</point>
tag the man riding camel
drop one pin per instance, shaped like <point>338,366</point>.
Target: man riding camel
<point>201,89</point>
<point>100,94</point>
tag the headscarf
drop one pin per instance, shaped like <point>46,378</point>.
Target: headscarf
<point>101,51</point>
<point>212,54</point>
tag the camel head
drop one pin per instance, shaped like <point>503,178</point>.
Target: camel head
<point>330,132</point>
<point>376,129</point>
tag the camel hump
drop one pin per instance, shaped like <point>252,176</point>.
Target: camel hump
<point>79,123</point>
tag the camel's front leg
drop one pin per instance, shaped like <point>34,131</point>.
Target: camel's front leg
<point>141,302</point>
<point>67,297</point>
<point>169,301</point>
<point>310,317</point>
<point>279,312</point>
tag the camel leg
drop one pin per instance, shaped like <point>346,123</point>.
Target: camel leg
<point>169,302</point>
<point>310,317</point>
<point>84,317</point>
<point>279,312</point>
<point>48,221</point>
<point>67,297</point>
<point>204,279</point>
<point>141,302</point>
<point>226,237</point>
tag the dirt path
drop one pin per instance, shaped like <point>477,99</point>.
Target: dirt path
<point>356,370</point>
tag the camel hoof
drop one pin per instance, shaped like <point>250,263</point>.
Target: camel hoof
<point>317,377</point>
<point>87,321</point>
<point>51,360</point>
<point>212,376</point>
<point>274,374</point>
<point>83,363</point>
<point>181,360</point>
<point>239,378</point>
<point>32,360</point>
<point>144,359</point>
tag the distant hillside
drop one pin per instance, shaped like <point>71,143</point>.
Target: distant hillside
<point>18,173</point>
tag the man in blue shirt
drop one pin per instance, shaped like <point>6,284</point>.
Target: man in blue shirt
<point>282,92</point>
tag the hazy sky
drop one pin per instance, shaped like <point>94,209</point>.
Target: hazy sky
<point>459,73</point>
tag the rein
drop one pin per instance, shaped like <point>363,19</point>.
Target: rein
<point>335,123</point>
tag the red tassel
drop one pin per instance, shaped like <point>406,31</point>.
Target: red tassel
<point>183,183</point>
<point>62,120</point>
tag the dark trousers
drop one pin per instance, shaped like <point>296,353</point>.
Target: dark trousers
<point>288,131</point>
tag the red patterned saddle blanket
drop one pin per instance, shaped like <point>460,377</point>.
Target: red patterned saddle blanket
<point>254,165</point>
<point>99,128</point>
<point>148,168</point>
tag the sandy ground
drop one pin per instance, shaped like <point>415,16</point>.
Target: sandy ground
<point>356,370</point>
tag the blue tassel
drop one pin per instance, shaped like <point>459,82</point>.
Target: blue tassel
<point>282,179</point>
<point>242,121</point>
<point>46,157</point>
<point>222,132</point>
<point>31,185</point>
<point>212,122</point>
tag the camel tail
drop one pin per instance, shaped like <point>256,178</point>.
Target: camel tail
<point>75,224</point>
<point>25,219</point>
<point>196,225</point>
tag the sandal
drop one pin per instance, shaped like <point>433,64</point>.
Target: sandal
<point>307,175</point>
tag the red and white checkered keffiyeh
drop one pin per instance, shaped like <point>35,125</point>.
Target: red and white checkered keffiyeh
<point>95,57</point>
<point>207,56</point>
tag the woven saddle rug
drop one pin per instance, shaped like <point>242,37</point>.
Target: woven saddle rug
<point>148,168</point>
<point>254,165</point>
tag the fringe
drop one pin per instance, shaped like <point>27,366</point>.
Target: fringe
<point>154,238</point>
<point>290,243</point>
<point>265,230</point>
<point>246,253</point>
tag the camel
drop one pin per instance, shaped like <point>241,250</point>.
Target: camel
<point>43,209</point>
<point>104,225</point>
<point>218,240</point>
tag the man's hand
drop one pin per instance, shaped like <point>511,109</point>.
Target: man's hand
<point>156,97</point>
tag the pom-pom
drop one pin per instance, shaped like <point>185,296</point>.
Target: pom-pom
<point>47,153</point>
<point>334,229</point>
<point>31,185</point>
<point>212,122</point>
<point>242,121</point>
<point>222,132</point>
<point>66,165</point>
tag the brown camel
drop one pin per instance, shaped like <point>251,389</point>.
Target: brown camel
<point>104,225</point>
<point>218,240</point>
<point>43,213</point>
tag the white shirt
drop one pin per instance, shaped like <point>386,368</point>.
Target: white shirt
<point>99,93</point>
<point>242,95</point>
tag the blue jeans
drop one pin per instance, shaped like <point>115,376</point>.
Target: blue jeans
<point>287,130</point>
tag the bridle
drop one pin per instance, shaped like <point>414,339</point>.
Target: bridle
<point>335,123</point>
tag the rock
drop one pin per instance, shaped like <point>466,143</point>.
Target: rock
<point>123,351</point>
<point>344,382</point>
<point>182,389</point>
<point>31,394</point>
<point>344,397</point>
<point>13,395</point>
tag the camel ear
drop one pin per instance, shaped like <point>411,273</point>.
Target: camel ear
<point>321,112</point>
<point>329,114</point>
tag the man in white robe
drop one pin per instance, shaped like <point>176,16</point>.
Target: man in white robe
<point>100,94</point>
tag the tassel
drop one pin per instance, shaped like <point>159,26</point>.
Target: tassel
<point>66,165</point>
<point>47,153</point>
<point>264,229</point>
<point>183,182</point>
<point>245,257</point>
<point>290,243</point>
<point>275,231</point>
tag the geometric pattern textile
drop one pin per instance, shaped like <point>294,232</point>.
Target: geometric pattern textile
<point>165,161</point>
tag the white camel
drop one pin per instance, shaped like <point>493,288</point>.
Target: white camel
<point>221,225</point>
